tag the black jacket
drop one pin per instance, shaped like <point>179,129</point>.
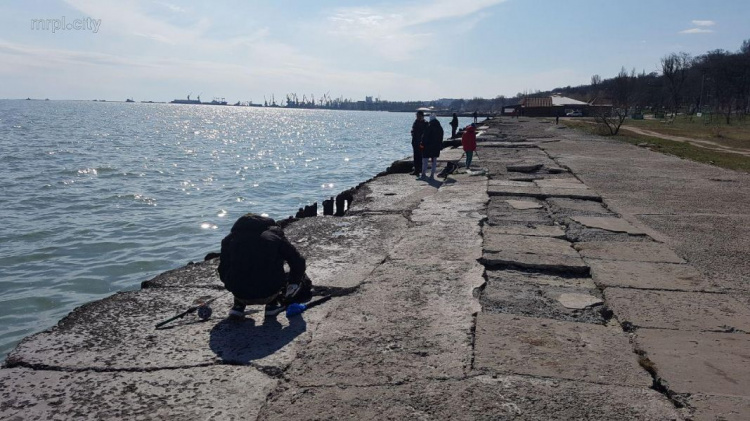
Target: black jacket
<point>417,130</point>
<point>253,256</point>
<point>432,140</point>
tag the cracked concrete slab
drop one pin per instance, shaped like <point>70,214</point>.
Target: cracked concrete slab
<point>508,344</point>
<point>510,183</point>
<point>538,253</point>
<point>609,224</point>
<point>217,392</point>
<point>499,212</point>
<point>411,320</point>
<point>561,183</point>
<point>581,194</point>
<point>541,279</point>
<point>577,207</point>
<point>524,204</point>
<point>632,252</point>
<point>716,407</point>
<point>699,362</point>
<point>391,193</point>
<point>474,398</point>
<point>513,294</point>
<point>117,333</point>
<point>341,251</point>
<point>678,310</point>
<point>647,275</point>
<point>531,230</point>
<point>542,192</point>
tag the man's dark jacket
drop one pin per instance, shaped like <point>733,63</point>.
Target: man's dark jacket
<point>417,130</point>
<point>253,256</point>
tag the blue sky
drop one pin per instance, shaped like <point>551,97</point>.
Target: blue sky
<point>243,50</point>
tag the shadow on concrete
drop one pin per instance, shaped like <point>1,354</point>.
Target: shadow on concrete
<point>239,342</point>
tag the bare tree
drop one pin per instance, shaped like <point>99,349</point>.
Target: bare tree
<point>675,68</point>
<point>621,92</point>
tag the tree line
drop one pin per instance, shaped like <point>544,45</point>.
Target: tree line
<point>714,83</point>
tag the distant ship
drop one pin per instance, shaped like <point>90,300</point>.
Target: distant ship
<point>215,101</point>
<point>186,101</point>
<point>129,100</point>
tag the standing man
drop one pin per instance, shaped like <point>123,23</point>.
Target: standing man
<point>454,126</point>
<point>476,114</point>
<point>417,130</point>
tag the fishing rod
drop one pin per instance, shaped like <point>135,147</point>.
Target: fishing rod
<point>203,308</point>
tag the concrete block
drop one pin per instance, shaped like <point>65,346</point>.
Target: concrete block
<point>475,398</point>
<point>530,230</point>
<point>609,224</point>
<point>196,393</point>
<point>716,407</point>
<point>678,310</point>
<point>538,253</point>
<point>648,275</point>
<point>699,362</point>
<point>117,333</point>
<point>508,344</point>
<point>633,252</point>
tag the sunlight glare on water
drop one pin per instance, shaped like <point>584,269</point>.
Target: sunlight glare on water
<point>97,197</point>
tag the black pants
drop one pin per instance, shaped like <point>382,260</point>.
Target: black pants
<point>453,131</point>
<point>304,295</point>
<point>417,157</point>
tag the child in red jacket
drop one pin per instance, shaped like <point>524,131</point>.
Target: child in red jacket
<point>469,143</point>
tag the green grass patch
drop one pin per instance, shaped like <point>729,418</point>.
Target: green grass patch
<point>679,149</point>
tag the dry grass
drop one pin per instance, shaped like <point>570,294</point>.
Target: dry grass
<point>735,135</point>
<point>680,149</point>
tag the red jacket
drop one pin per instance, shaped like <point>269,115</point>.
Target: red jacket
<point>469,139</point>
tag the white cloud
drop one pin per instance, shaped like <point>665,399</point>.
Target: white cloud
<point>704,23</point>
<point>392,32</point>
<point>696,31</point>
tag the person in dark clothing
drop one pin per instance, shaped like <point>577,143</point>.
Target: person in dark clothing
<point>475,116</point>
<point>454,126</point>
<point>433,142</point>
<point>417,130</point>
<point>252,266</point>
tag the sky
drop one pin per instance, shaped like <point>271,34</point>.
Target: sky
<point>243,50</point>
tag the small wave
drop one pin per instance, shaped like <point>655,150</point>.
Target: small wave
<point>139,198</point>
<point>90,171</point>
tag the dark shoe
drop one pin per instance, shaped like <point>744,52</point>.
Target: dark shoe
<point>291,291</point>
<point>236,314</point>
<point>272,310</point>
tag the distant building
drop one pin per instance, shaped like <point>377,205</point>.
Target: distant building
<point>549,106</point>
<point>368,99</point>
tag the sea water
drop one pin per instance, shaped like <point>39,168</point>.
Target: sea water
<point>96,197</point>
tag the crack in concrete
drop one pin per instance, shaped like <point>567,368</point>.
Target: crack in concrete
<point>270,371</point>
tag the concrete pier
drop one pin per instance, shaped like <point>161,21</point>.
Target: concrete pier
<point>579,278</point>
